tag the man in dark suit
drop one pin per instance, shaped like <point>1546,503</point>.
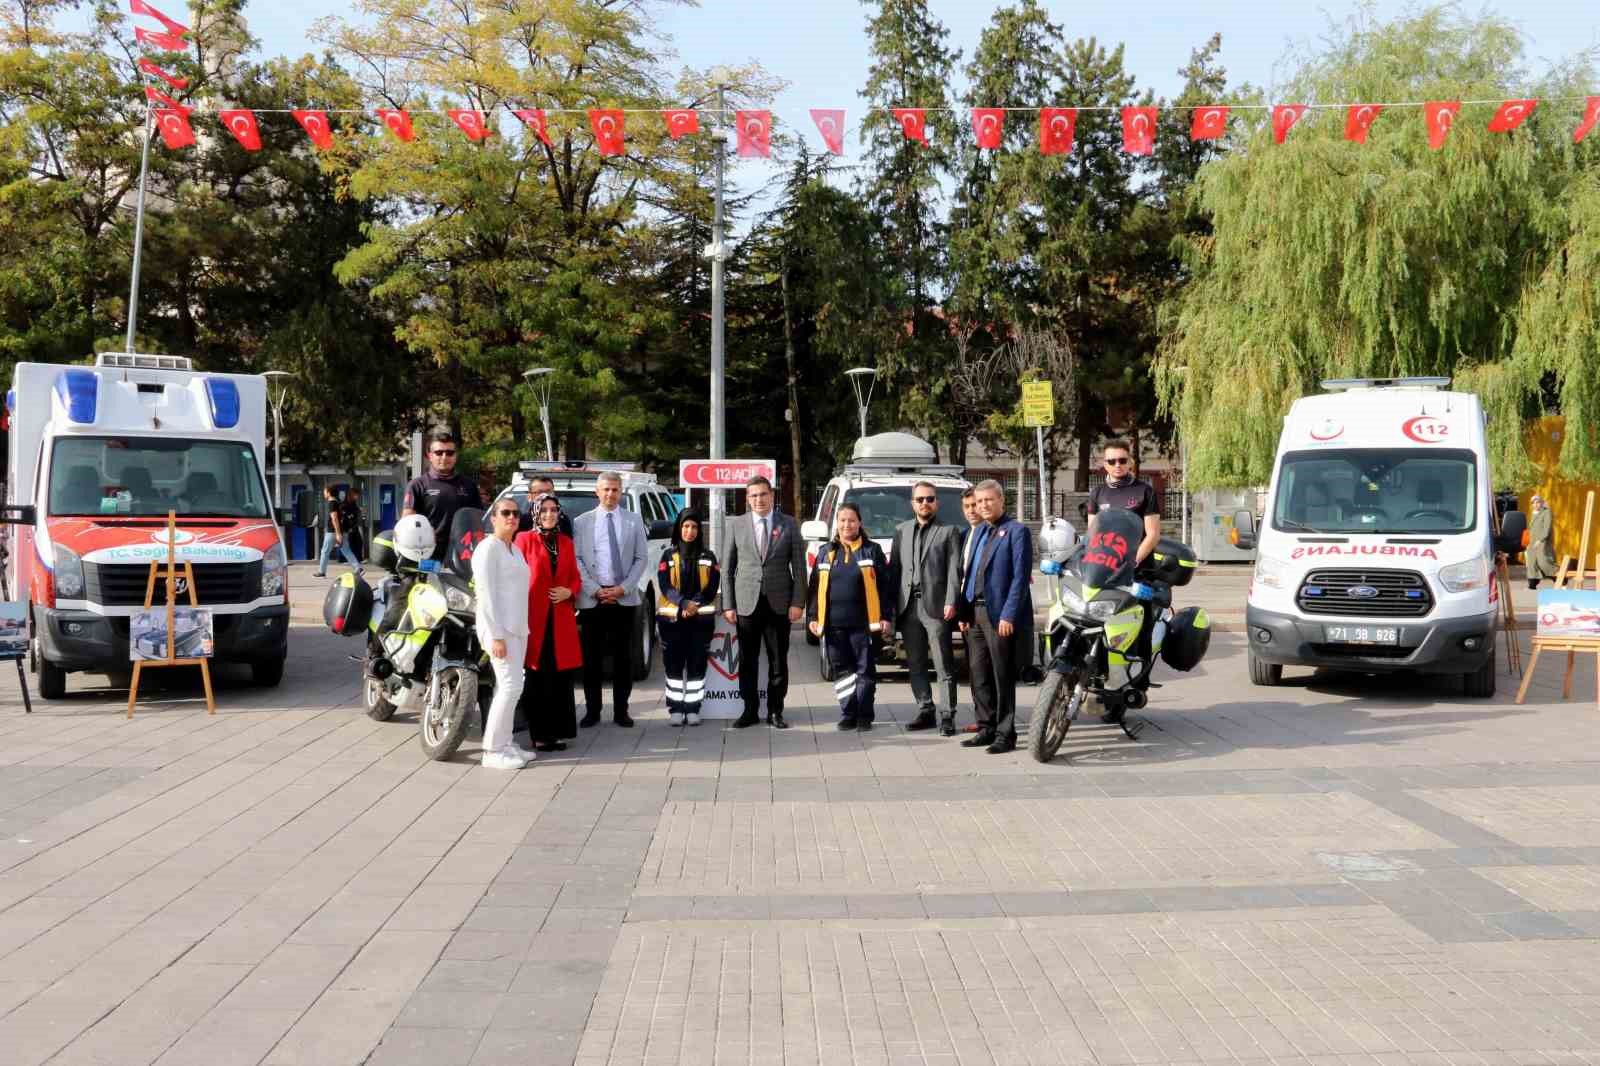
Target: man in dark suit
<point>765,589</point>
<point>997,606</point>
<point>925,557</point>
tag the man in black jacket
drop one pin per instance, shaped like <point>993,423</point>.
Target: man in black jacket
<point>925,557</point>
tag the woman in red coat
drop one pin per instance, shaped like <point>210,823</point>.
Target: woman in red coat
<point>553,649</point>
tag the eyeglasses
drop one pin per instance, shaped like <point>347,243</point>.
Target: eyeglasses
<point>1124,461</point>
<point>924,499</point>
<point>444,451</point>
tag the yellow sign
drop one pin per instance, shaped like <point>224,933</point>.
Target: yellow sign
<point>1038,404</point>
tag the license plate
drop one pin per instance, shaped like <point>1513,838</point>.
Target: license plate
<point>1361,634</point>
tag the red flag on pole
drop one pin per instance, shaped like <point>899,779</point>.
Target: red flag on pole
<point>1139,130</point>
<point>167,42</point>
<point>139,7</point>
<point>1441,115</point>
<point>398,122</point>
<point>161,99</point>
<point>755,132</point>
<point>1057,127</point>
<point>1284,119</point>
<point>1358,121</point>
<point>242,124</point>
<point>315,123</point>
<point>1511,114</point>
<point>533,118</point>
<point>174,126</point>
<point>987,125</point>
<point>607,125</point>
<point>913,122</point>
<point>1208,123</point>
<point>471,123</point>
<point>681,121</point>
<point>830,123</point>
<point>150,68</point>
<point>1591,115</point>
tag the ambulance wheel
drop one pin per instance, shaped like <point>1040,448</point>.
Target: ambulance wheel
<point>1264,674</point>
<point>1479,684</point>
<point>52,680</point>
<point>266,673</point>
<point>644,638</point>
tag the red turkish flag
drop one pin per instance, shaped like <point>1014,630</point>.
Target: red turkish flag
<point>171,79</point>
<point>987,125</point>
<point>315,123</point>
<point>533,118</point>
<point>913,122</point>
<point>681,121</point>
<point>608,132</point>
<point>167,42</point>
<point>1441,115</point>
<point>242,124</point>
<point>471,123</point>
<point>161,99</point>
<point>1284,119</point>
<point>1511,114</point>
<point>399,123</point>
<point>139,7</point>
<point>830,123</point>
<point>1591,116</point>
<point>1057,127</point>
<point>174,127</point>
<point>1208,123</point>
<point>1139,130</point>
<point>755,132</point>
<point>1358,121</point>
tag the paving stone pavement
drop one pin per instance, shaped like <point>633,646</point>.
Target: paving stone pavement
<point>1337,871</point>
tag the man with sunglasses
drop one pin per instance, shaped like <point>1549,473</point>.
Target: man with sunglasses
<point>1124,490</point>
<point>925,574</point>
<point>438,494</point>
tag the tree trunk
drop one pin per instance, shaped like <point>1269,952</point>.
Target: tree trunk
<point>794,392</point>
<point>519,426</point>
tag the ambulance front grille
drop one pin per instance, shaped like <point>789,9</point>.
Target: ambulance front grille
<point>123,584</point>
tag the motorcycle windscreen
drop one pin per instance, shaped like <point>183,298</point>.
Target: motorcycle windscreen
<point>466,533</point>
<point>1109,557</point>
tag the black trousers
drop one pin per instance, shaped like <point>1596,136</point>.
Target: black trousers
<point>993,660</point>
<point>683,660</point>
<point>764,627</point>
<point>607,629</point>
<point>855,669</point>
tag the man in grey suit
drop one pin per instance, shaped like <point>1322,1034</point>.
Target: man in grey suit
<point>765,590</point>
<point>925,558</point>
<point>612,548</point>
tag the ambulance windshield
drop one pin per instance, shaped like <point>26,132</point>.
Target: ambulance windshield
<point>1377,491</point>
<point>149,476</point>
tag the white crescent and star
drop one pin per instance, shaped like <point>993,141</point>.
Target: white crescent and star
<point>606,125</point>
<point>827,125</point>
<point>1444,118</point>
<point>680,120</point>
<point>172,124</point>
<point>1211,118</point>
<point>239,124</point>
<point>1060,126</point>
<point>912,124</point>
<point>1140,121</point>
<point>988,123</point>
<point>1515,111</point>
<point>1364,115</point>
<point>754,127</point>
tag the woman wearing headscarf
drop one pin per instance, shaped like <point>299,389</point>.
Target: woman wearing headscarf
<point>687,579</point>
<point>553,649</point>
<point>1541,550</point>
<point>847,611</point>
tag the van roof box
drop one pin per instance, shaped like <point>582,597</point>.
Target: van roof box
<point>1347,384</point>
<point>136,361</point>
<point>896,453</point>
<point>573,467</point>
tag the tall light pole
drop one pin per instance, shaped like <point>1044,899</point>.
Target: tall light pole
<point>716,252</point>
<point>277,431</point>
<point>538,378</point>
<point>1183,464</point>
<point>863,379</point>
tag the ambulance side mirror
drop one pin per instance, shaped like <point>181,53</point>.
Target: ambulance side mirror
<point>17,514</point>
<point>284,515</point>
<point>814,530</point>
<point>1244,530</point>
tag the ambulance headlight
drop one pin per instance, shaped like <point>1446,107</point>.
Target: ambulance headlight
<point>274,571</point>
<point>69,574</point>
<point>1270,572</point>
<point>1464,577</point>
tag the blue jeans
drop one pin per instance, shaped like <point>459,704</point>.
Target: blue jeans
<point>327,553</point>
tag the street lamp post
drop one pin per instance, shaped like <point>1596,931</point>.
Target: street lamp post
<point>538,378</point>
<point>277,431</point>
<point>863,379</point>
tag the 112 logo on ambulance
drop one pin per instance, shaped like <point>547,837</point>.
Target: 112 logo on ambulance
<point>1425,429</point>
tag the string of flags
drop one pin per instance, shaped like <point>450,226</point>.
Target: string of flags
<point>1057,128</point>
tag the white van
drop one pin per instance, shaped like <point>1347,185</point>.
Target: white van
<point>1376,549</point>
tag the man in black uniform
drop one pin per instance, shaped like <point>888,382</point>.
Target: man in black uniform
<point>1123,490</point>
<point>441,492</point>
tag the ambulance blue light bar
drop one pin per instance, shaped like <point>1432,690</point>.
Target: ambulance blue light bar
<point>224,402</point>
<point>80,393</point>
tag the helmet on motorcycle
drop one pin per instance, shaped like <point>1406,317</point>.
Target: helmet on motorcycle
<point>413,538</point>
<point>1056,538</point>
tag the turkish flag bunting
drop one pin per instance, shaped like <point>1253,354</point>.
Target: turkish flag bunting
<point>139,7</point>
<point>1208,124</point>
<point>161,99</point>
<point>987,125</point>
<point>1057,127</point>
<point>174,126</point>
<point>681,121</point>
<point>607,126</point>
<point>1358,121</point>
<point>242,124</point>
<point>155,71</point>
<point>1139,130</point>
<point>533,118</point>
<point>167,42</point>
<point>1591,116</point>
<point>913,122</point>
<point>755,132</point>
<point>471,123</point>
<point>1441,115</point>
<point>1511,114</point>
<point>1284,118</point>
<point>830,123</point>
<point>315,123</point>
<point>399,123</point>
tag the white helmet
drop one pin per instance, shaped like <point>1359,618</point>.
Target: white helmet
<point>1056,538</point>
<point>413,538</point>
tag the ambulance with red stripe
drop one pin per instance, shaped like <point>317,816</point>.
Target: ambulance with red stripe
<point>97,457</point>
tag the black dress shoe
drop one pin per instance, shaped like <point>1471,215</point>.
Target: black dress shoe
<point>623,718</point>
<point>747,720</point>
<point>776,721</point>
<point>981,739</point>
<point>947,728</point>
<point>924,720</point>
<point>554,745</point>
<point>1002,745</point>
<point>864,726</point>
<point>590,720</point>
<point>847,724</point>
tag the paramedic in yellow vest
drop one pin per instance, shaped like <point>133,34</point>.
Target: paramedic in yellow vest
<point>687,579</point>
<point>847,610</point>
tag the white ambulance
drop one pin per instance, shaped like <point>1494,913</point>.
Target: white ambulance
<point>97,456</point>
<point>1376,552</point>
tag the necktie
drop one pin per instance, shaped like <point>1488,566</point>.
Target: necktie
<point>761,537</point>
<point>616,550</point>
<point>971,589</point>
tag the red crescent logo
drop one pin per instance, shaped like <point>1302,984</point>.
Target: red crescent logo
<point>1425,429</point>
<point>1328,430</point>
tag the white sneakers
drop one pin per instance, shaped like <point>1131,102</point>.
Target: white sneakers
<point>508,758</point>
<point>694,719</point>
<point>675,718</point>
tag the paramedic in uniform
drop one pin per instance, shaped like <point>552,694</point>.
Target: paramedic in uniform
<point>686,582</point>
<point>848,611</point>
<point>1123,490</point>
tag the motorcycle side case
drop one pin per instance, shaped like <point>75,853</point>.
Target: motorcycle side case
<point>1173,562</point>
<point>1187,640</point>
<point>347,608</point>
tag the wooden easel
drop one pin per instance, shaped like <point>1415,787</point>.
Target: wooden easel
<point>171,575</point>
<point>1508,617</point>
<point>1571,645</point>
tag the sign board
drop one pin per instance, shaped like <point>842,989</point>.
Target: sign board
<point>722,699</point>
<point>192,636</point>
<point>724,473</point>
<point>13,629</point>
<point>1038,404</point>
<point>1569,614</point>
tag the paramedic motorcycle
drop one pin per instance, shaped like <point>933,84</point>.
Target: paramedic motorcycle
<point>1110,620</point>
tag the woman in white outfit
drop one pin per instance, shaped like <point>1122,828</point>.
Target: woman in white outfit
<point>500,581</point>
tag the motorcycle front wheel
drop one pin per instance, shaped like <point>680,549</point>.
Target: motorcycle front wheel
<point>1053,711</point>
<point>444,719</point>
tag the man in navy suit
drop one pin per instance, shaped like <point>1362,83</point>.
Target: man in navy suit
<point>998,617</point>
